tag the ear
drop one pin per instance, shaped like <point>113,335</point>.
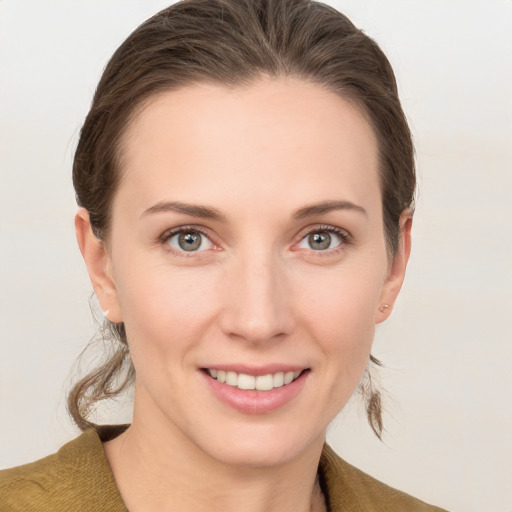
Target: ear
<point>397,268</point>
<point>99,266</point>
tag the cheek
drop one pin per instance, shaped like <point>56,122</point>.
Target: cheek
<point>339,310</point>
<point>164,308</point>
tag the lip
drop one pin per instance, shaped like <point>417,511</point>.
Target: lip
<point>253,401</point>
<point>255,370</point>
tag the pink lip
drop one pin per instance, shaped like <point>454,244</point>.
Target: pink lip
<point>252,401</point>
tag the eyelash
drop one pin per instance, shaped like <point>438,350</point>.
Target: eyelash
<point>345,237</point>
<point>167,235</point>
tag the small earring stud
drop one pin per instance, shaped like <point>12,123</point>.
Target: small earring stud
<point>106,313</point>
<point>383,308</point>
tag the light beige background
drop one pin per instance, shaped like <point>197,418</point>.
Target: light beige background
<point>447,347</point>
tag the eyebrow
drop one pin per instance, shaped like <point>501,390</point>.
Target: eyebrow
<point>206,212</point>
<point>193,210</point>
<point>326,207</point>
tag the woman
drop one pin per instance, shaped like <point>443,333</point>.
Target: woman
<point>245,178</point>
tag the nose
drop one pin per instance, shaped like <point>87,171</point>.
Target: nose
<point>257,304</point>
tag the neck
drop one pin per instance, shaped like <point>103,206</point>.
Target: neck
<point>157,467</point>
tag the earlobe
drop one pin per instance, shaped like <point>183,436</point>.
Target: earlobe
<point>397,269</point>
<point>98,262</point>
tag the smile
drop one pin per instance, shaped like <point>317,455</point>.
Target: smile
<point>251,382</point>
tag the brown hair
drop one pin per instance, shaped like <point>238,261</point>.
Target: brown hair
<point>233,42</point>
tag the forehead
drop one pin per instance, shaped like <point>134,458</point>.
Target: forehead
<point>274,136</point>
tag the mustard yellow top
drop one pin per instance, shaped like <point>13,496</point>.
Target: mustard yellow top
<point>78,479</point>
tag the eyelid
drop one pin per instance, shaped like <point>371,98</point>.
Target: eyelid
<point>345,236</point>
<point>164,238</point>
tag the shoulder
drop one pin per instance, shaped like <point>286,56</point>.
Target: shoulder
<point>76,478</point>
<point>348,488</point>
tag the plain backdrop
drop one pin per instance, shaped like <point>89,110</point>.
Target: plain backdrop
<point>448,345</point>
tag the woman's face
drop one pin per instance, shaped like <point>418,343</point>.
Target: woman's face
<point>247,244</point>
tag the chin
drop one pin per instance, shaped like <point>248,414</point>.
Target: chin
<point>261,446</point>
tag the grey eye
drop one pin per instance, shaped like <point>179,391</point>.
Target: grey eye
<point>321,240</point>
<point>190,241</point>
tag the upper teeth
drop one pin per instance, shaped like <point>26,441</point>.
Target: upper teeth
<point>260,383</point>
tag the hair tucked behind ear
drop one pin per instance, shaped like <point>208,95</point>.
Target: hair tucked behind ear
<point>233,42</point>
<point>372,398</point>
<point>107,381</point>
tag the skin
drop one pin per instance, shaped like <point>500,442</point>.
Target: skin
<point>256,293</point>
